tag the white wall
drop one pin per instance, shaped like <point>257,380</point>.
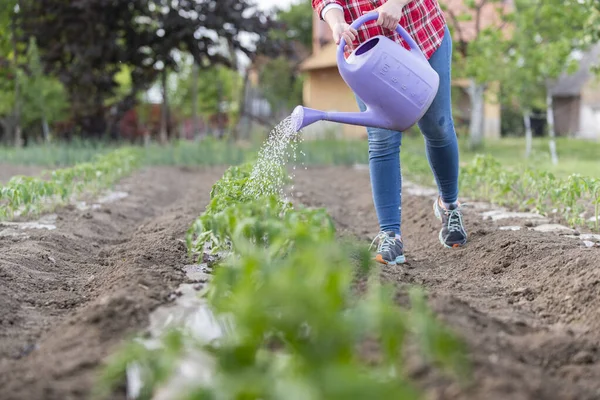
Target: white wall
<point>589,126</point>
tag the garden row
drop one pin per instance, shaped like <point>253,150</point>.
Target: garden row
<point>24,195</point>
<point>574,198</point>
<point>287,286</point>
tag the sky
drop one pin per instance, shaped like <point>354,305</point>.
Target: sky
<point>266,4</point>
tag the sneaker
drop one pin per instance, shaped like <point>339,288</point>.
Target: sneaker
<point>390,250</point>
<point>453,233</point>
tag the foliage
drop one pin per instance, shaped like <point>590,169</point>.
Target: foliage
<point>296,23</point>
<point>281,85</point>
<point>54,154</point>
<point>593,25</point>
<point>280,80</point>
<point>538,52</point>
<point>479,36</point>
<point>529,189</point>
<point>86,42</point>
<point>478,39</point>
<point>522,187</point>
<point>44,97</point>
<point>217,91</point>
<point>299,329</point>
<point>26,195</point>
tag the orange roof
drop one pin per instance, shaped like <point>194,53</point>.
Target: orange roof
<point>324,58</point>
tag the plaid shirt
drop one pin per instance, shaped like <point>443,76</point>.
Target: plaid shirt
<point>422,19</point>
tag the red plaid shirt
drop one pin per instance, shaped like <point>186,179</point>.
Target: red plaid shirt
<point>422,19</point>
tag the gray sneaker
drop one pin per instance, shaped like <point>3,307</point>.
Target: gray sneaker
<point>390,251</point>
<point>453,233</point>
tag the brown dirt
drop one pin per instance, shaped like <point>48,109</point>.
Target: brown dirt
<point>527,303</point>
<point>70,295</point>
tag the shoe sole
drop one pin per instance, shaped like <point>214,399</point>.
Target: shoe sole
<point>399,260</point>
<point>440,237</point>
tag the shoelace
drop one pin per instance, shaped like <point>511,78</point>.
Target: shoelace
<point>385,242</point>
<point>455,223</point>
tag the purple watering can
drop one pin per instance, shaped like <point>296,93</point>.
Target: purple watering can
<point>397,85</point>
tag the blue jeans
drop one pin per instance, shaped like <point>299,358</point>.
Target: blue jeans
<point>437,127</point>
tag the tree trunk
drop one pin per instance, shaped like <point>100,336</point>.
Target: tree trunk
<point>476,94</point>
<point>528,132</point>
<point>18,140</point>
<point>46,129</point>
<point>243,129</point>
<point>550,121</point>
<point>219,108</point>
<point>163,135</point>
<point>195,120</point>
<point>6,125</point>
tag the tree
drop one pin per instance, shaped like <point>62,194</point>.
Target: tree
<point>280,79</point>
<point>539,53</point>
<point>593,26</point>
<point>44,97</point>
<point>281,84</point>
<point>215,87</point>
<point>477,28</point>
<point>86,42</point>
<point>296,23</point>
<point>10,50</point>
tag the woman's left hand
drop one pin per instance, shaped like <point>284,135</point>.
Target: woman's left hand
<point>390,13</point>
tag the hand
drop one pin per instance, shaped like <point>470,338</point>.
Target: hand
<point>390,13</point>
<point>342,29</point>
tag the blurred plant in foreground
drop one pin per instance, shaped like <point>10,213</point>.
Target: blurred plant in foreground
<point>300,330</point>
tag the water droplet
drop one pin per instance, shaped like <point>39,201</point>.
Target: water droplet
<point>281,146</point>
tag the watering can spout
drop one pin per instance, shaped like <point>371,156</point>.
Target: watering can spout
<point>303,116</point>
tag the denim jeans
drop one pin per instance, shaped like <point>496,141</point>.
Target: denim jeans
<point>437,127</point>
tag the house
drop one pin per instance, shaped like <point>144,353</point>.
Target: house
<point>576,99</point>
<point>325,89</point>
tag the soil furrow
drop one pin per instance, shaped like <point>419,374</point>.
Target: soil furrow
<point>69,296</point>
<point>527,303</point>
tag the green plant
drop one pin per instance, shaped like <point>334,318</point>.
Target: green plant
<point>31,195</point>
<point>522,187</point>
<point>594,188</point>
<point>286,284</point>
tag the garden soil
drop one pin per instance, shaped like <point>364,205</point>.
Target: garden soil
<point>527,303</point>
<point>70,295</point>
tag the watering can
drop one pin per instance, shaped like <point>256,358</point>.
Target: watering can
<point>397,85</point>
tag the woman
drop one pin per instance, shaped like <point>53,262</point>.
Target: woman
<point>424,21</point>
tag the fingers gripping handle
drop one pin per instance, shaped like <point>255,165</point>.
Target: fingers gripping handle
<point>372,16</point>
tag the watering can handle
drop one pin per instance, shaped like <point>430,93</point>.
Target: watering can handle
<point>372,16</point>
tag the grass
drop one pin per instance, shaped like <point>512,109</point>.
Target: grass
<point>54,154</point>
<point>575,156</point>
